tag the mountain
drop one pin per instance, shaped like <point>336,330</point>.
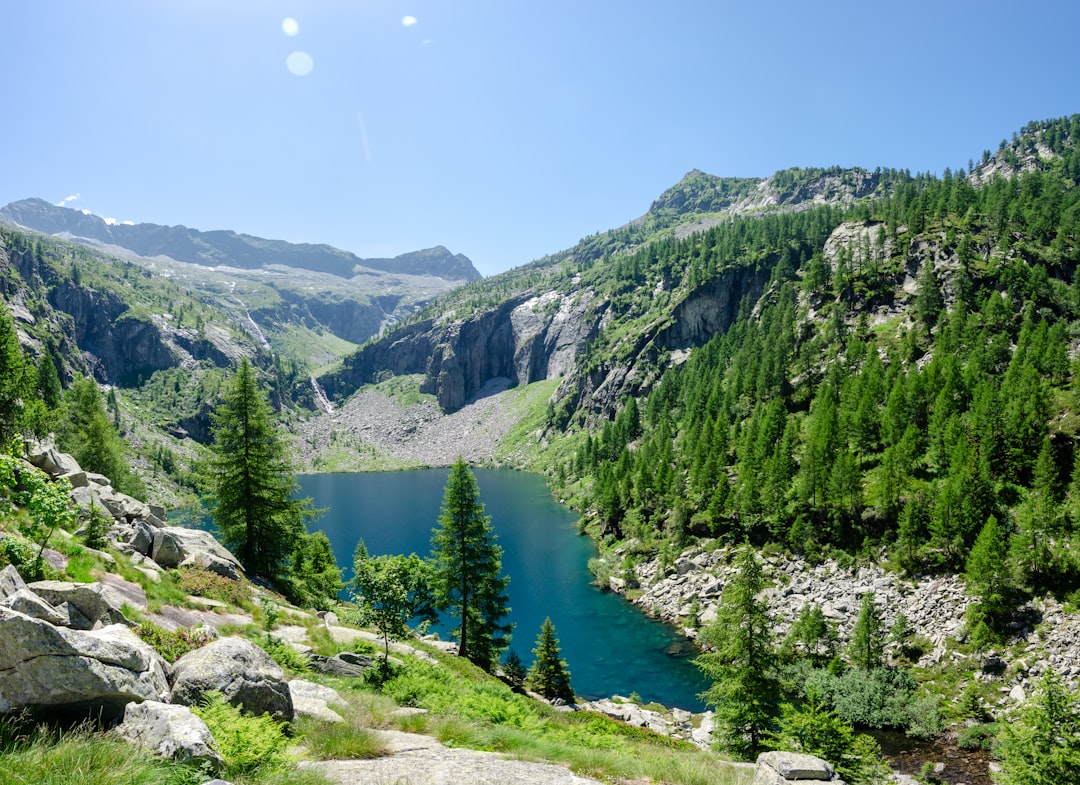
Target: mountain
<point>227,248</point>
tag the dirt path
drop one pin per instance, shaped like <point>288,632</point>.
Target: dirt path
<point>422,760</point>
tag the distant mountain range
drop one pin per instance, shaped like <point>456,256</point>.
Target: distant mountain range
<point>227,248</point>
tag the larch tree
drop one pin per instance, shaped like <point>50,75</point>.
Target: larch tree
<point>12,366</point>
<point>867,646</point>
<point>549,674</point>
<point>742,662</point>
<point>253,481</point>
<point>468,580</point>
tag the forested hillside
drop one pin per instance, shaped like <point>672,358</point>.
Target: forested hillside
<point>906,375</point>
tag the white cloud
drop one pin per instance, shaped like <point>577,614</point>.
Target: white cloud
<point>128,223</point>
<point>409,21</point>
<point>290,26</point>
<point>85,212</point>
<point>63,202</point>
<point>110,221</point>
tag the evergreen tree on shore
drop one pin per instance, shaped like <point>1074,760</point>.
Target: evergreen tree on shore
<point>468,566</point>
<point>549,674</point>
<point>742,662</point>
<point>253,481</point>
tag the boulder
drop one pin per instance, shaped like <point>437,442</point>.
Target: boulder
<point>240,671</point>
<point>780,768</point>
<point>44,668</point>
<point>122,506</point>
<point>10,581</point>
<point>345,663</point>
<point>96,602</point>
<point>25,601</point>
<point>314,700</point>
<point>178,547</point>
<point>76,479</point>
<point>171,732</point>
<point>51,461</point>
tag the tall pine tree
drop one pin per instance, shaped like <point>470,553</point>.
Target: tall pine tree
<point>468,566</point>
<point>253,481</point>
<point>742,662</point>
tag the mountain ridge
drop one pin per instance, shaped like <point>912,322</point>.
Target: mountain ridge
<point>224,247</point>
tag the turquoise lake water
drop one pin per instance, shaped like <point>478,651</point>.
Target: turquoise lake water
<point>610,646</point>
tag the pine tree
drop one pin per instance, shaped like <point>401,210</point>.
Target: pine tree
<point>88,435</point>
<point>253,481</point>
<point>468,565</point>
<point>987,576</point>
<point>742,662</point>
<point>1042,744</point>
<point>549,674</point>
<point>867,646</point>
<point>11,379</point>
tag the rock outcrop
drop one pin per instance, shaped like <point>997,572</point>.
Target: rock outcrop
<point>178,547</point>
<point>240,671</point>
<point>782,768</point>
<point>50,669</point>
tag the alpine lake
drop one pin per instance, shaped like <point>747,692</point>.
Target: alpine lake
<point>610,646</point>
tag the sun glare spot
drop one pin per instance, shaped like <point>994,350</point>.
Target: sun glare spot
<point>290,26</point>
<point>299,63</point>
<point>408,21</point>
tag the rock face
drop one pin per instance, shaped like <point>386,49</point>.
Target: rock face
<point>45,668</point>
<point>781,768</point>
<point>238,669</point>
<point>171,732</point>
<point>177,547</point>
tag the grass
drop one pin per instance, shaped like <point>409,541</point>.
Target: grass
<point>45,756</point>
<point>349,740</point>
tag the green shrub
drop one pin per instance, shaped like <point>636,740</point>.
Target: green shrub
<point>248,744</point>
<point>172,645</point>
<point>204,583</point>
<point>24,556</point>
<point>978,737</point>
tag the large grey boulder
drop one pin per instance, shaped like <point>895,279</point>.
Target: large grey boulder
<point>51,461</point>
<point>171,732</point>
<point>240,671</point>
<point>780,768</point>
<point>175,546</point>
<point>346,663</point>
<point>98,604</point>
<point>120,505</point>
<point>55,669</point>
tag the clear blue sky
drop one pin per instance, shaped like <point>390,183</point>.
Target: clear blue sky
<point>503,131</point>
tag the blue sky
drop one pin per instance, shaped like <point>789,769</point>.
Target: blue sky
<point>503,131</point>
